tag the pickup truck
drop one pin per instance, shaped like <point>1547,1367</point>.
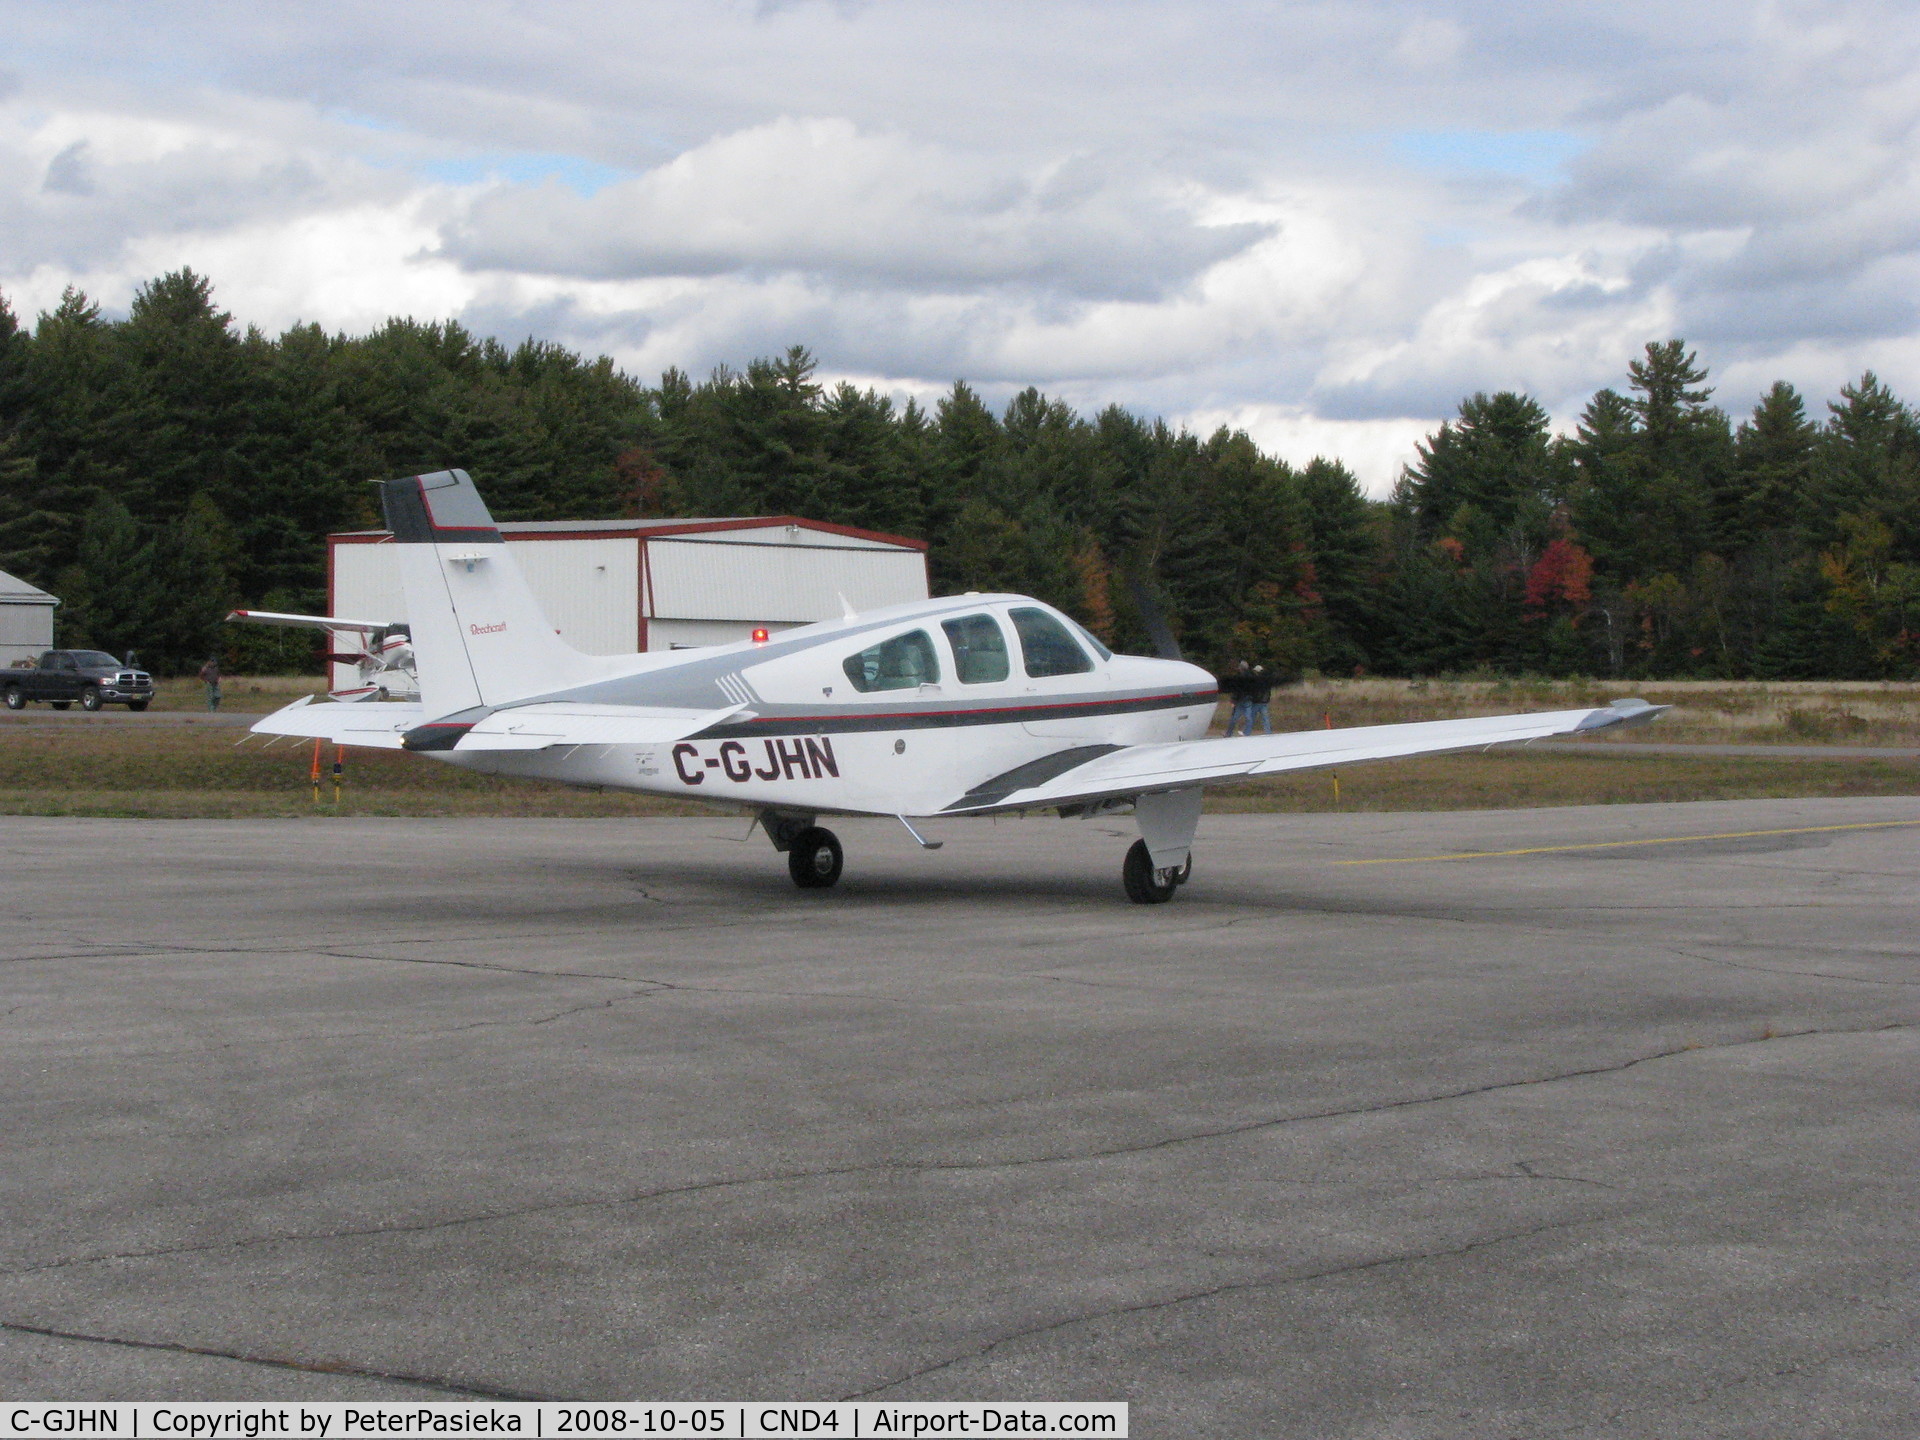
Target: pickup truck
<point>60,677</point>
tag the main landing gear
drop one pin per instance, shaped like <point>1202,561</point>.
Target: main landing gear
<point>1147,885</point>
<point>1161,860</point>
<point>813,853</point>
<point>814,858</point>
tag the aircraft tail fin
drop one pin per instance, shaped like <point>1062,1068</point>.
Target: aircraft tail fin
<point>479,637</point>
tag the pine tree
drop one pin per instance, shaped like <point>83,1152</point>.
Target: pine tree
<point>68,426</point>
<point>1773,454</point>
<point>107,595</point>
<point>193,562</point>
<point>181,400</point>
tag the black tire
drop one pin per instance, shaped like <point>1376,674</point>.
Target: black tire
<point>16,698</point>
<point>137,704</point>
<point>90,698</point>
<point>1137,875</point>
<point>59,704</point>
<point>814,858</point>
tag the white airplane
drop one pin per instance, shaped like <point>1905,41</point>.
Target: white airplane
<point>964,705</point>
<point>384,662</point>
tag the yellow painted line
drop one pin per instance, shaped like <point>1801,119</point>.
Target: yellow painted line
<point>1619,844</point>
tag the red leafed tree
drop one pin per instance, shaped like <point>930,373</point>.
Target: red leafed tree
<point>1562,575</point>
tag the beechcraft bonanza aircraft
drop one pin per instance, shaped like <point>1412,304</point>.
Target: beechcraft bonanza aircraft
<point>966,705</point>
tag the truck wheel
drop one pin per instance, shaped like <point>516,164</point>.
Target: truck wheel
<point>15,699</point>
<point>136,704</point>
<point>90,698</point>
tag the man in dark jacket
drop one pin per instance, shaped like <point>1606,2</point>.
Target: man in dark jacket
<point>1259,691</point>
<point>1236,685</point>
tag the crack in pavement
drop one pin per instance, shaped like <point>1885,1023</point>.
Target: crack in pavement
<point>1271,1282</point>
<point>489,966</point>
<point>432,1034</point>
<point>1526,1168</point>
<point>934,1167</point>
<point>1756,1377</point>
<point>1772,970</point>
<point>276,1362</point>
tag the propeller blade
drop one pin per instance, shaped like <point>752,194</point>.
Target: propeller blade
<point>1147,602</point>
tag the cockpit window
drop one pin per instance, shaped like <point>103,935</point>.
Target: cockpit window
<point>901,663</point>
<point>1046,646</point>
<point>979,648</point>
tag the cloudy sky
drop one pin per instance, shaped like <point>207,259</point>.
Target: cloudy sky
<point>1322,222</point>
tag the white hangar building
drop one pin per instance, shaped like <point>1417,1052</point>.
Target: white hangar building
<point>26,620</point>
<point>614,587</point>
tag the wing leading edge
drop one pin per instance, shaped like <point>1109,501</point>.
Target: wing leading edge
<point>1102,773</point>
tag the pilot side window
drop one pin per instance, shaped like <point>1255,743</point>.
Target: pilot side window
<point>902,663</point>
<point>979,649</point>
<point>1046,646</point>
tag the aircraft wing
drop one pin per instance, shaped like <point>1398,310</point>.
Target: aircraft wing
<point>522,727</point>
<point>379,725</point>
<point>1103,772</point>
<point>539,727</point>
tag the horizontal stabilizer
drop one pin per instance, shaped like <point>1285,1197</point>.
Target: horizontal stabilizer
<point>375,724</point>
<point>539,727</point>
<point>1137,769</point>
<point>311,622</point>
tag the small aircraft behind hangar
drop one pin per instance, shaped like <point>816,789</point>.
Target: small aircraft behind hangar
<point>965,705</point>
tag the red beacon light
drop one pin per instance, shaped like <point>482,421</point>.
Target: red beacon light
<point>760,635</point>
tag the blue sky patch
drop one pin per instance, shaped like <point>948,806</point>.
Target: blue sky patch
<point>587,177</point>
<point>1536,155</point>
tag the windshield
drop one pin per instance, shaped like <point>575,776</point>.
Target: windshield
<point>1046,646</point>
<point>95,660</point>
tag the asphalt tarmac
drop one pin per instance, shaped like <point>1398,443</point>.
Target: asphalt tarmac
<point>1600,1138</point>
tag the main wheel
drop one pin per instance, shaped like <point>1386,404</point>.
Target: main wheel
<point>90,698</point>
<point>136,704</point>
<point>1144,884</point>
<point>16,698</point>
<point>814,858</point>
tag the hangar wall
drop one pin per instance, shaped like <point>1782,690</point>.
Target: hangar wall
<point>26,620</point>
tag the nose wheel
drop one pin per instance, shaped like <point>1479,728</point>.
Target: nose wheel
<point>814,858</point>
<point>1147,885</point>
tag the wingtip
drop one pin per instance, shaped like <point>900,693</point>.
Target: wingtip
<point>1633,711</point>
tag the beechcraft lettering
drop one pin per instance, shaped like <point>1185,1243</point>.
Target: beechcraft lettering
<point>805,757</point>
<point>1010,706</point>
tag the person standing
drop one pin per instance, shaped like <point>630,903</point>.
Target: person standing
<point>210,677</point>
<point>1236,685</point>
<point>1259,694</point>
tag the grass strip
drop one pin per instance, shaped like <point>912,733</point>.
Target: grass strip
<point>184,773</point>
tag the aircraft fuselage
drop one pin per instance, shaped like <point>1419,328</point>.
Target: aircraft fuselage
<point>810,740</point>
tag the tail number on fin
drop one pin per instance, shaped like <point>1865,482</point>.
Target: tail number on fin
<point>802,757</point>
